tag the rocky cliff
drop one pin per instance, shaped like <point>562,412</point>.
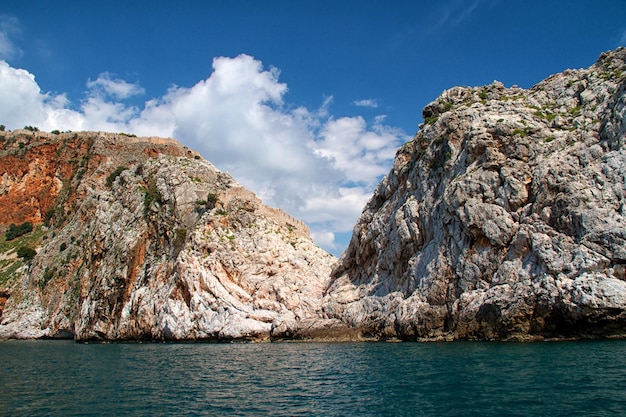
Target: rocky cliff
<point>504,218</point>
<point>141,238</point>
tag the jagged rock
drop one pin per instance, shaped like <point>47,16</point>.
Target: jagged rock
<point>146,240</point>
<point>505,217</point>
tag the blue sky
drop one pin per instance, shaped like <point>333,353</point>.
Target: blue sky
<point>305,103</point>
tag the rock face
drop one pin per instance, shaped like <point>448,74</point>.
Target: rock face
<point>504,218</point>
<point>144,239</point>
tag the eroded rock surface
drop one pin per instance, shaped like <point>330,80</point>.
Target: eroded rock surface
<point>144,239</point>
<point>505,217</point>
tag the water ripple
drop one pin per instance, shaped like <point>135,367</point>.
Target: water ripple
<point>40,378</point>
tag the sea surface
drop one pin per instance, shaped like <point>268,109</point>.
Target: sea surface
<point>63,378</point>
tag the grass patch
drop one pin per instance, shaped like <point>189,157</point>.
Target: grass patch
<point>30,239</point>
<point>521,132</point>
<point>151,195</point>
<point>22,244</point>
<point>8,272</point>
<point>574,111</point>
<point>431,120</point>
<point>111,178</point>
<point>545,115</point>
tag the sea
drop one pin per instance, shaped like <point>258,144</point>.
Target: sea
<point>64,378</point>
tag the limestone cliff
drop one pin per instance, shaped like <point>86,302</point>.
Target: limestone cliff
<point>141,238</point>
<point>505,217</point>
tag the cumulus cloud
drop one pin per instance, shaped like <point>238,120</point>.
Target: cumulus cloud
<point>366,103</point>
<point>115,88</point>
<point>22,102</point>
<point>319,168</point>
<point>359,151</point>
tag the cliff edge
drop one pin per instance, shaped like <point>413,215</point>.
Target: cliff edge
<point>504,218</point>
<point>113,237</point>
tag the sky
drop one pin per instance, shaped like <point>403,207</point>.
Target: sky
<point>302,102</point>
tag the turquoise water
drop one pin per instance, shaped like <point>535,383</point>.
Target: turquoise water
<point>311,379</point>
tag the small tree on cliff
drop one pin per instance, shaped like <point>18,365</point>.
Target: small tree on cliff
<point>17,231</point>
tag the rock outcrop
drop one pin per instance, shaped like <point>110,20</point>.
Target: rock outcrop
<point>141,238</point>
<point>504,218</point>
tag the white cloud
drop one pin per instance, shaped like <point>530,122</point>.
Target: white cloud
<point>319,168</point>
<point>115,88</point>
<point>7,49</point>
<point>324,239</point>
<point>451,13</point>
<point>361,152</point>
<point>366,103</point>
<point>9,27</point>
<point>622,39</point>
<point>337,208</point>
<point>22,102</point>
<point>456,13</point>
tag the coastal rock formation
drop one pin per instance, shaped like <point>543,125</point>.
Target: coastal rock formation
<point>141,238</point>
<point>504,218</point>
